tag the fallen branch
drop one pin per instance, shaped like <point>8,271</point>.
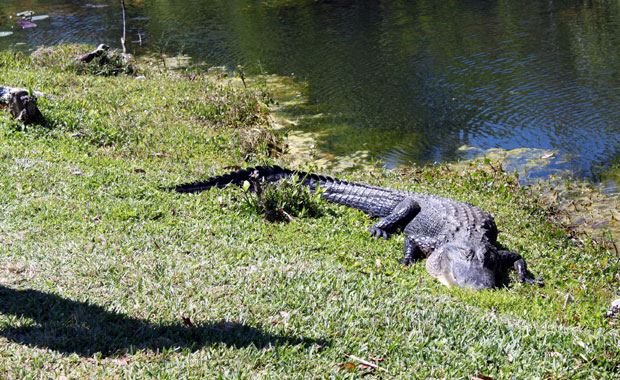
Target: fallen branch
<point>365,362</point>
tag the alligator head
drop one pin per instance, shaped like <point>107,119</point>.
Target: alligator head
<point>465,264</point>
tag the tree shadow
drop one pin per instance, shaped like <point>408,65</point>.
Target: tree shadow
<point>82,328</point>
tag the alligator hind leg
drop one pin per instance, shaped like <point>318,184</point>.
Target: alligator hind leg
<point>402,214</point>
<point>509,258</point>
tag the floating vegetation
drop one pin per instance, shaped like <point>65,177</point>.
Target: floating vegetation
<point>27,18</point>
<point>583,206</point>
<point>579,204</point>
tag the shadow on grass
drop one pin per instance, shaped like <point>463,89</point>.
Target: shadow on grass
<point>69,326</point>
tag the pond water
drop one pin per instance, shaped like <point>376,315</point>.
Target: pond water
<point>403,80</point>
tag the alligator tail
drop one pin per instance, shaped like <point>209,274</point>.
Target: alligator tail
<point>373,200</point>
<point>266,173</point>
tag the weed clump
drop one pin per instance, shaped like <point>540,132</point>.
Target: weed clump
<point>109,63</point>
<point>282,201</point>
<point>244,112</point>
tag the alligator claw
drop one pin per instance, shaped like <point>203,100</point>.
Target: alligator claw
<point>379,233</point>
<point>528,279</point>
<point>406,261</point>
<point>533,281</point>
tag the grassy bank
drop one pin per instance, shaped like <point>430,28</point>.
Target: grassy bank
<point>104,275</point>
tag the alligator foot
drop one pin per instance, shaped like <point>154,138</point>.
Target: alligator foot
<point>401,215</point>
<point>377,232</point>
<point>524,275</point>
<point>533,281</point>
<point>411,251</point>
<point>406,261</point>
<point>509,258</point>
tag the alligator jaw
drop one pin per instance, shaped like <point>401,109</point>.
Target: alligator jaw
<point>443,278</point>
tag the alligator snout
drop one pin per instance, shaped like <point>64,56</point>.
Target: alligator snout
<point>473,275</point>
<point>464,265</point>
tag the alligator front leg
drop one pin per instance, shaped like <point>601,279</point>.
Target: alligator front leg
<point>411,251</point>
<point>509,258</point>
<point>402,214</point>
<point>417,247</point>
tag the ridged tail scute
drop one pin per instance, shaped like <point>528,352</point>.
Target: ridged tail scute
<point>266,173</point>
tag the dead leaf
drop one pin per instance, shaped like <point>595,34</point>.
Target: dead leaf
<point>139,170</point>
<point>348,365</point>
<point>77,172</point>
<point>62,377</point>
<point>378,262</point>
<point>481,377</point>
<point>510,358</point>
<point>554,353</point>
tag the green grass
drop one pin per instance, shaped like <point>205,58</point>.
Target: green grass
<point>104,275</point>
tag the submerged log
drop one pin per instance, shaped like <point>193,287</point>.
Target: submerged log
<point>100,50</point>
<point>22,105</point>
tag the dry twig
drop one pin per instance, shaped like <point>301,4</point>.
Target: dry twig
<point>365,362</point>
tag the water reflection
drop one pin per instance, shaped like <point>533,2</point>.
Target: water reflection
<point>405,81</point>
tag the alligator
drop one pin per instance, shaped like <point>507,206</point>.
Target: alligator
<point>458,239</point>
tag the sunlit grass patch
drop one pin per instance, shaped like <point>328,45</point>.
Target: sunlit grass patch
<point>103,274</point>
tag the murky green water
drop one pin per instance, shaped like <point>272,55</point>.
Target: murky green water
<point>403,81</point>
